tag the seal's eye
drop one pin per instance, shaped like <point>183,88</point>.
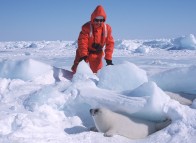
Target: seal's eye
<point>96,111</point>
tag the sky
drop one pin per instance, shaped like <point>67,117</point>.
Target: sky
<point>36,20</point>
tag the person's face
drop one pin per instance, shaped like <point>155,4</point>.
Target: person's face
<point>98,22</point>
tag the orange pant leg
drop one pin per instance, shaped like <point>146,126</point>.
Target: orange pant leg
<point>95,62</point>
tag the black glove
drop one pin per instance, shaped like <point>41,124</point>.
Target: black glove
<point>83,58</point>
<point>109,62</point>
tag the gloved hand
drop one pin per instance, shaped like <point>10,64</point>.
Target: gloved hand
<point>83,58</point>
<point>109,62</point>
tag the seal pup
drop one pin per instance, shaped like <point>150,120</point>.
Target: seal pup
<point>111,123</point>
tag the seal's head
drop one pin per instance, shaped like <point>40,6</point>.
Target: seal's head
<point>101,119</point>
<point>94,112</point>
<point>98,111</point>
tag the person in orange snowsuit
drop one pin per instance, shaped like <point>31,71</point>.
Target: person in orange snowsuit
<point>94,36</point>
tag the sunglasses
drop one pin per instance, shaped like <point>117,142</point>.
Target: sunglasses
<point>99,20</point>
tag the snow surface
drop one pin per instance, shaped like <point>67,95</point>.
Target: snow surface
<point>39,102</point>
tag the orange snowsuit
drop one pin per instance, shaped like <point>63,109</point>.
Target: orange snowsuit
<point>91,41</point>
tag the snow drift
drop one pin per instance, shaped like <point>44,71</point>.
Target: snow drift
<point>37,102</point>
<point>184,42</point>
<point>170,81</point>
<point>128,72</point>
<point>23,69</point>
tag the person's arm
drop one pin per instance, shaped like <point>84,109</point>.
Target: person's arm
<point>83,40</point>
<point>109,46</point>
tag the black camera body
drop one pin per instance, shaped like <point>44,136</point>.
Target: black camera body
<point>97,47</point>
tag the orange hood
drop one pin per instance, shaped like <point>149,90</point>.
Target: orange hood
<point>99,11</point>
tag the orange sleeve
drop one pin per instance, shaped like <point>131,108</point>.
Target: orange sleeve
<point>109,44</point>
<point>83,40</point>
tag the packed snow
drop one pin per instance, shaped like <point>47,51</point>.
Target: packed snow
<point>41,102</point>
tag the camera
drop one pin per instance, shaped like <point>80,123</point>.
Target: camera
<point>97,46</point>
